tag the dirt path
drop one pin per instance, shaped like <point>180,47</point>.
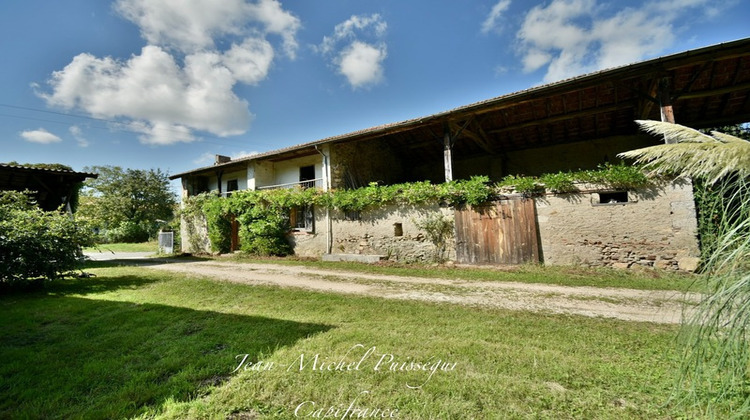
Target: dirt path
<point>625,304</point>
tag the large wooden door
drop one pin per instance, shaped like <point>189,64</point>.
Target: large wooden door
<point>503,232</point>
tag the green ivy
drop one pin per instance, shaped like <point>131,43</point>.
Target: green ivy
<point>219,224</point>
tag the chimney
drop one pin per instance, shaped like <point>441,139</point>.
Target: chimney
<point>219,159</point>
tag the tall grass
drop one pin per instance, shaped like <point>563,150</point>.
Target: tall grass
<point>716,361</point>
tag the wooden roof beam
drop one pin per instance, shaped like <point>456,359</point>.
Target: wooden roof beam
<point>476,138</point>
<point>563,117</point>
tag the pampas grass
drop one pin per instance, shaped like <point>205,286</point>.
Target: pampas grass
<point>716,359</point>
<point>692,153</point>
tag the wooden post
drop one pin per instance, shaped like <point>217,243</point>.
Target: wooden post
<point>665,104</point>
<point>447,155</point>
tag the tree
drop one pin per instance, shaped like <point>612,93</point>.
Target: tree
<point>36,244</point>
<point>128,204</point>
<point>716,358</point>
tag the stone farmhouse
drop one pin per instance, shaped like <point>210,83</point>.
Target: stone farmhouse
<point>573,124</point>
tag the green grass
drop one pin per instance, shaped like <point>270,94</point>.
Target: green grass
<point>560,275</point>
<point>152,246</point>
<point>132,342</point>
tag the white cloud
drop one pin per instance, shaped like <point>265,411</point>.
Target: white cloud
<point>40,136</point>
<point>181,81</point>
<point>164,101</point>
<point>77,134</point>
<point>362,64</point>
<point>373,25</point>
<point>250,61</point>
<point>193,25</point>
<point>572,37</point>
<point>357,50</point>
<point>493,19</point>
<point>205,159</point>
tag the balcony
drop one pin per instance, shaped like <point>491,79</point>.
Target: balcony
<point>311,183</point>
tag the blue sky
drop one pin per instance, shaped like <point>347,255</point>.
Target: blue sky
<point>169,83</point>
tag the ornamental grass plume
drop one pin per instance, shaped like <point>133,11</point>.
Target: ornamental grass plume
<point>715,362</point>
<point>692,153</point>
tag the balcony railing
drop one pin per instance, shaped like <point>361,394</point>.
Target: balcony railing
<point>311,183</point>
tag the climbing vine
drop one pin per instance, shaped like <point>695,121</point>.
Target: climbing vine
<point>263,215</point>
<point>610,176</point>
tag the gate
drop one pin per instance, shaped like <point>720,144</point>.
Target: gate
<point>503,232</point>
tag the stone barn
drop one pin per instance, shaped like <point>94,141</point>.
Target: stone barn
<point>573,124</point>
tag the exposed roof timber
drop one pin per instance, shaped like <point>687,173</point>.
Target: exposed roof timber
<point>295,154</point>
<point>479,137</point>
<point>562,117</point>
<point>713,92</point>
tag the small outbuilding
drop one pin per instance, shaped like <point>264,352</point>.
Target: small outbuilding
<point>52,187</point>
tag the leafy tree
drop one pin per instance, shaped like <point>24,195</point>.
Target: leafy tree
<point>127,203</point>
<point>35,244</point>
<point>716,360</point>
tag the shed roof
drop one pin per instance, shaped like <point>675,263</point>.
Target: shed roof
<point>709,87</point>
<point>53,187</point>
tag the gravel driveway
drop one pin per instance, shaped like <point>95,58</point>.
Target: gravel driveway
<point>625,304</point>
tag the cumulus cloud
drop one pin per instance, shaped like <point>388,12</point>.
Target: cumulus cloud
<point>493,19</point>
<point>163,100</point>
<point>40,136</point>
<point>192,25</point>
<point>181,81</point>
<point>357,50</point>
<point>571,37</point>
<point>361,64</point>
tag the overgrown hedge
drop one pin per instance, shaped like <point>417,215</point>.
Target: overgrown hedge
<point>35,244</point>
<point>263,214</point>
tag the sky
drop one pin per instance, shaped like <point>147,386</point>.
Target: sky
<point>167,84</point>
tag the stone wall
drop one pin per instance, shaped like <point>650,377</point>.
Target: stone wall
<point>357,164</point>
<point>389,230</point>
<point>194,235</point>
<point>655,228</point>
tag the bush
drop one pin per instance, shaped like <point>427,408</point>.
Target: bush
<point>35,244</point>
<point>439,230</point>
<point>128,232</point>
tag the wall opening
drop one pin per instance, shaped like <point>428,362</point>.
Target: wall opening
<point>307,176</point>
<point>232,185</point>
<point>616,197</point>
<point>398,229</point>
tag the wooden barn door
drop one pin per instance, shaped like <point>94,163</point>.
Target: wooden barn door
<point>503,232</point>
<point>234,234</point>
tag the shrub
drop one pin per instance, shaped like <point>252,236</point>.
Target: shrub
<point>128,232</point>
<point>35,244</point>
<point>439,230</point>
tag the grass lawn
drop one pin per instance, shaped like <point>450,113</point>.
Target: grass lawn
<point>152,246</point>
<point>132,342</point>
